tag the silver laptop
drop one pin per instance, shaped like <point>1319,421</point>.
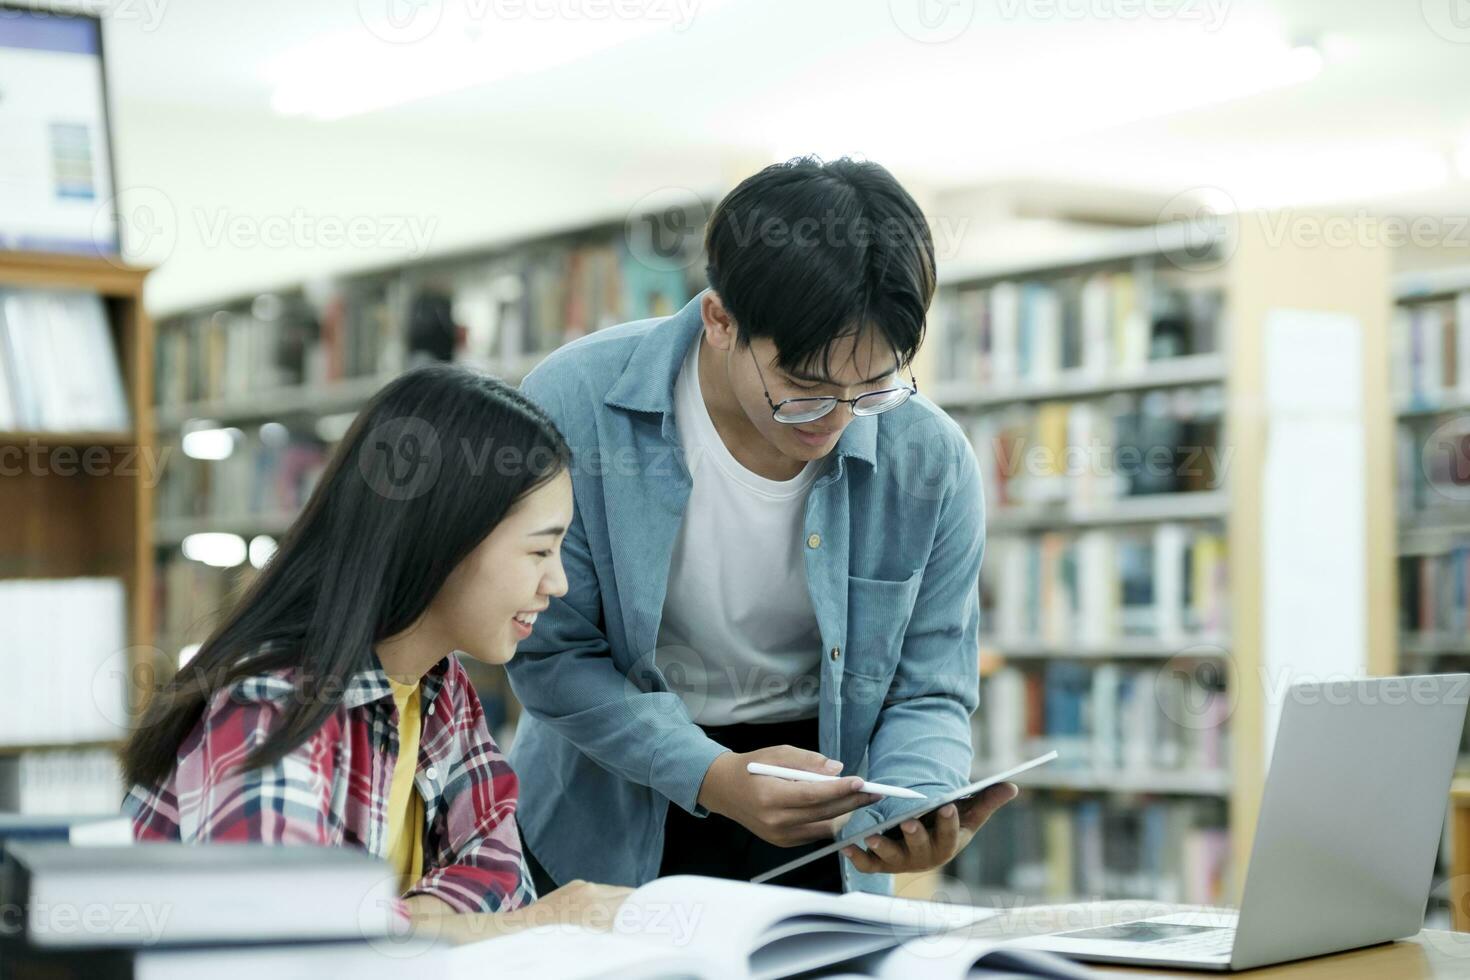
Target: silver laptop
<point>1346,841</point>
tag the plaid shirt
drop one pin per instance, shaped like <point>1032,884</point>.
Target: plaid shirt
<point>333,789</point>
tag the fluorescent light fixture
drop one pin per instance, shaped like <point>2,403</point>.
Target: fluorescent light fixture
<point>1337,176</point>
<point>215,548</point>
<point>262,549</point>
<point>210,443</point>
<point>1149,73</point>
<point>424,48</point>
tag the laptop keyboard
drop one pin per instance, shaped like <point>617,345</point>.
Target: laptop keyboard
<point>1212,942</point>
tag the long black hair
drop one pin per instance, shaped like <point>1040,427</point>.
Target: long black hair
<point>429,467</point>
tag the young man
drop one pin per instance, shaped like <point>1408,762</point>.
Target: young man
<point>774,558</point>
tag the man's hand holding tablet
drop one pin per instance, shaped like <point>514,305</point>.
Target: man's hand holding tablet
<point>922,847</point>
<point>926,835</point>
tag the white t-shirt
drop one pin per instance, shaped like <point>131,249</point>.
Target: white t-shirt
<point>738,641</point>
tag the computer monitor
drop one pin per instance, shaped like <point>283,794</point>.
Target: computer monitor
<point>56,171</point>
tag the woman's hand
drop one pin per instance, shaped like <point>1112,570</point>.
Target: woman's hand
<point>577,903</point>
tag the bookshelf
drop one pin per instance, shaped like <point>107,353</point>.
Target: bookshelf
<point>1431,407</point>
<point>1431,392</point>
<point>1128,612</point>
<point>272,379</point>
<point>79,507</point>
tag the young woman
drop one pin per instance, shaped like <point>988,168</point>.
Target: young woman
<point>329,707</point>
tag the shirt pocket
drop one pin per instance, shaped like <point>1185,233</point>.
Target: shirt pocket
<point>878,613</point>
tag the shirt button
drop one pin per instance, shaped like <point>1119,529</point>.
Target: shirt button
<point>836,653</point>
<point>814,541</point>
<point>432,773</point>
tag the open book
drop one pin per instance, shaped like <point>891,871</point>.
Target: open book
<point>957,957</point>
<point>691,926</point>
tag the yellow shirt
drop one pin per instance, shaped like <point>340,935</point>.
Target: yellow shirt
<point>405,850</point>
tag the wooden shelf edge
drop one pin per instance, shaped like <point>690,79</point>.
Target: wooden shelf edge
<point>43,437</point>
<point>11,750</point>
<point>110,276</point>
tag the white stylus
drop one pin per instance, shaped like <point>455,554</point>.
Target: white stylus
<point>802,776</point>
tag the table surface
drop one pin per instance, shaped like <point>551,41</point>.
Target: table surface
<point>1431,955</point>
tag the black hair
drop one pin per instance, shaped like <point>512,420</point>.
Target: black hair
<point>407,495</point>
<point>806,252</point>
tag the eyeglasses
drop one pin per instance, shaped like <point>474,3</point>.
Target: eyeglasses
<point>796,411</point>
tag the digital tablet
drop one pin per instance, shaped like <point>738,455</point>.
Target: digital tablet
<point>919,811</point>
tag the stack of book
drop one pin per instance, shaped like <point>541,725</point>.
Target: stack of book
<point>1108,720</point>
<point>517,307</point>
<point>1085,453</point>
<point>498,311</point>
<point>1431,352</point>
<point>222,910</point>
<point>275,341</point>
<point>59,367</point>
<point>1095,587</point>
<point>66,660</point>
<point>1094,325</point>
<point>1153,848</point>
<point>271,470</point>
<point>1434,594</point>
<point>79,781</point>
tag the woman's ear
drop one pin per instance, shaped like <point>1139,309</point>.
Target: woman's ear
<point>719,327</point>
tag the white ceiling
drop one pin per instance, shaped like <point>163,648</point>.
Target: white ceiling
<point>1158,96</point>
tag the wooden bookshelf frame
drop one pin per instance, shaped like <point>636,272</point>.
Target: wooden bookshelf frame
<point>76,523</point>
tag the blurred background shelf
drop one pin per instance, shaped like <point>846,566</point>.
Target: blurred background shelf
<point>1154,508</point>
<point>1116,781</point>
<point>1199,646</point>
<point>1192,369</point>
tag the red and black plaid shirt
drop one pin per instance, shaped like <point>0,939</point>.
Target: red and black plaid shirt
<point>333,789</point>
